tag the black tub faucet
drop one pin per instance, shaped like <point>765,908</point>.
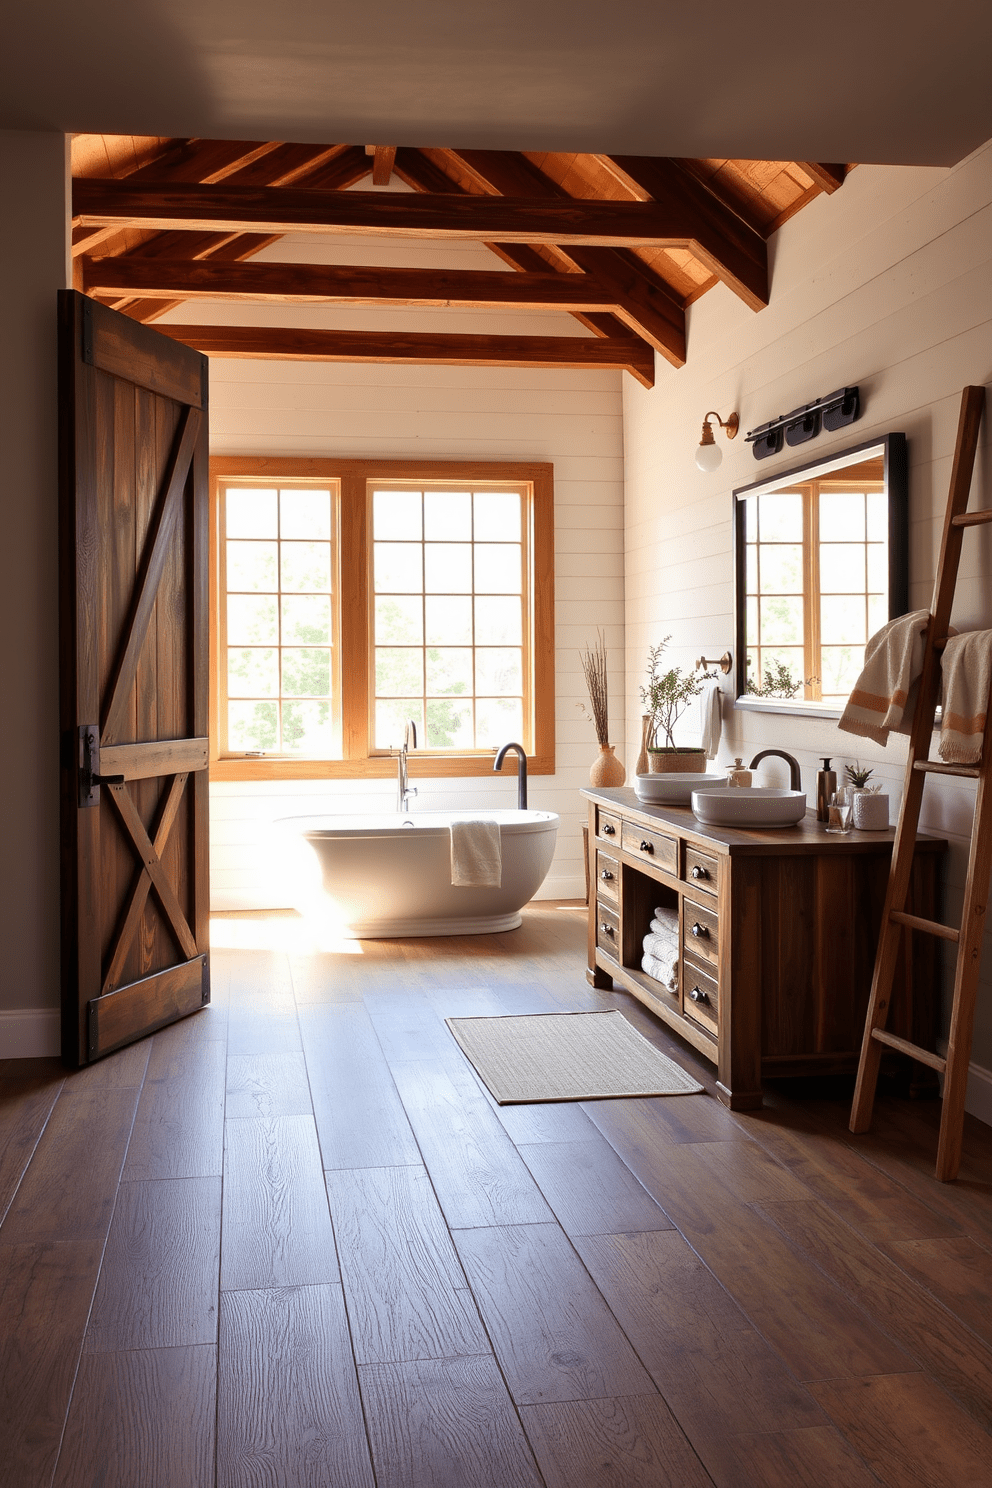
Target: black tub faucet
<point>795,777</point>
<point>521,771</point>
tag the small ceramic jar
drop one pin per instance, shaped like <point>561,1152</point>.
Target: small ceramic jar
<point>871,811</point>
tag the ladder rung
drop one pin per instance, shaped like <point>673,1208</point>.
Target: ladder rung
<point>934,767</point>
<point>935,1061</point>
<point>931,927</point>
<point>972,519</point>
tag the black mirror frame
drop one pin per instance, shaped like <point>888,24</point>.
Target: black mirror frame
<point>895,473</point>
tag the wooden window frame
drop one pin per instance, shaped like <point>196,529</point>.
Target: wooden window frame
<point>359,760</point>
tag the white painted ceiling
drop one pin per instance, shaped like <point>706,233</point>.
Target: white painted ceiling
<point>885,81</point>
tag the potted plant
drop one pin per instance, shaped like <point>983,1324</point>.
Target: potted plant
<point>666,695</point>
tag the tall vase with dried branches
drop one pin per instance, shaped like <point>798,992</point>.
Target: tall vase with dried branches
<point>606,769</point>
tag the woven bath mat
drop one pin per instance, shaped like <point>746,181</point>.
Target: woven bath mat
<point>566,1057</point>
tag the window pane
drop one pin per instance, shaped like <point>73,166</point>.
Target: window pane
<point>498,670</point>
<point>499,621</point>
<point>878,567</point>
<point>307,728</point>
<point>751,576</point>
<point>252,726</point>
<point>398,568</point>
<point>842,568</point>
<point>391,716</point>
<point>497,516</point>
<point>781,516</point>
<point>781,621</point>
<point>306,566</point>
<point>305,514</point>
<point>497,568</point>
<point>878,516</point>
<point>396,516</point>
<point>842,618</point>
<point>448,620</point>
<point>751,519</point>
<point>306,673</point>
<point>497,720</point>
<point>789,657</point>
<point>399,671</point>
<point>399,620</point>
<point>252,620</point>
<point>878,612</point>
<point>449,724</point>
<point>781,570</point>
<point>841,669</point>
<point>448,516</point>
<point>448,568</point>
<point>751,619</point>
<point>449,670</point>
<point>306,620</point>
<point>842,517</point>
<point>252,672</point>
<point>252,565</point>
<point>251,513</point>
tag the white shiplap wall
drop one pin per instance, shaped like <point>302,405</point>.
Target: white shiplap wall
<point>571,418</point>
<point>888,285</point>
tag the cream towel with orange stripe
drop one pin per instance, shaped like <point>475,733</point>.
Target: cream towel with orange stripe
<point>884,695</point>
<point>967,669</point>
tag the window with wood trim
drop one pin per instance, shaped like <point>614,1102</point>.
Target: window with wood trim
<point>350,597</point>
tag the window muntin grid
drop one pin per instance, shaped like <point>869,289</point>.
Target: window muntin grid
<point>278,642</point>
<point>450,615</point>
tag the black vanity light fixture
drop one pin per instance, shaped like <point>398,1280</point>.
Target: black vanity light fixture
<point>708,455</point>
<point>832,412</point>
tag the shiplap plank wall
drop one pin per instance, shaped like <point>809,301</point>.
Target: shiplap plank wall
<point>888,285</point>
<point>572,418</point>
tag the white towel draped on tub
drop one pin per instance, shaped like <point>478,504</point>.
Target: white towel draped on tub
<point>476,856</point>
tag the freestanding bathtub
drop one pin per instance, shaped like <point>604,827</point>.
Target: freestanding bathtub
<point>381,876</point>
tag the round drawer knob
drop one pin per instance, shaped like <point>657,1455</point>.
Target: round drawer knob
<point>700,931</point>
<point>699,872</point>
<point>606,929</point>
<point>647,847</point>
<point>608,831</point>
<point>698,995</point>
<point>606,874</point>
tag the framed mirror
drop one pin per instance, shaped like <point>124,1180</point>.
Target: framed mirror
<point>821,563</point>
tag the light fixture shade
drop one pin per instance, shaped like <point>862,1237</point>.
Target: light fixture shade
<point>708,457</point>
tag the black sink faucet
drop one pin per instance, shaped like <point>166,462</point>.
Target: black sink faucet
<point>521,771</point>
<point>795,777</point>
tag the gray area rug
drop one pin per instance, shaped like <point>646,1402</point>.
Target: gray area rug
<point>566,1057</point>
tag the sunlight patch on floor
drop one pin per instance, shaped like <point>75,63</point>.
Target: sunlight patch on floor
<point>291,933</point>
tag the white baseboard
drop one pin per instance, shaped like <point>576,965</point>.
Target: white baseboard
<point>30,1033</point>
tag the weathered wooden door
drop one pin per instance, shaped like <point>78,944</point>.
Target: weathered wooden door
<point>133,622</point>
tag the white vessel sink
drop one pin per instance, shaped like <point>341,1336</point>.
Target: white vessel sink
<point>754,806</point>
<point>675,787</point>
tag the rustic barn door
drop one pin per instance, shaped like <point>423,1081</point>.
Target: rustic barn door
<point>133,622</point>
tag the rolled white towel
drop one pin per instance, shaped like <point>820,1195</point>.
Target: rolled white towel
<point>666,972</point>
<point>476,854</point>
<point>660,945</point>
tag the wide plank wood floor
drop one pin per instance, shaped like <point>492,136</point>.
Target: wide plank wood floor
<point>293,1243</point>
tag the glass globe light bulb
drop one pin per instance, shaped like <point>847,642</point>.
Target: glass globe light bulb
<point>708,457</point>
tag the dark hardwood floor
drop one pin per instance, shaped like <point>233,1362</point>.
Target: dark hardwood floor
<point>292,1242</point>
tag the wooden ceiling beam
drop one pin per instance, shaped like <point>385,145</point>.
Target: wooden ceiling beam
<point>282,283</point>
<point>231,208</point>
<point>647,305</point>
<point>383,157</point>
<point>829,177</point>
<point>628,354</point>
<point>729,247</point>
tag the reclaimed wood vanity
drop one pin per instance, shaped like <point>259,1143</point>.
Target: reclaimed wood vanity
<point>777,935</point>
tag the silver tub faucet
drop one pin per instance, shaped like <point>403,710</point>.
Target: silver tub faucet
<point>404,790</point>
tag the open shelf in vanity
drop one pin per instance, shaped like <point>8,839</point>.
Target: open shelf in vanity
<point>777,934</point>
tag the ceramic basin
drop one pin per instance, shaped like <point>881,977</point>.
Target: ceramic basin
<point>756,806</point>
<point>675,787</point>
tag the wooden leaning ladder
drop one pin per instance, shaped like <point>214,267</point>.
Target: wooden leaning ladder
<point>895,920</point>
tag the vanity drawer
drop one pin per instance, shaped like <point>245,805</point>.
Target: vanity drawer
<point>701,870</point>
<point>653,847</point>
<point>608,929</point>
<point>700,995</point>
<point>700,931</point>
<point>607,877</point>
<point>608,826</point>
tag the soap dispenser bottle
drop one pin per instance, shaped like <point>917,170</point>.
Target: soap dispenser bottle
<point>826,785</point>
<point>737,775</point>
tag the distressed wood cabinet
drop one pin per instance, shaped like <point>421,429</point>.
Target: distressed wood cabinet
<point>777,935</point>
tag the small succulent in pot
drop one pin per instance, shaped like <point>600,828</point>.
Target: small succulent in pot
<point>857,775</point>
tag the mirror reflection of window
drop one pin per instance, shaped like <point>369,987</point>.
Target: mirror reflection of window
<point>814,570</point>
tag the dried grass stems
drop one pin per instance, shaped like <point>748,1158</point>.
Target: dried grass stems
<point>594,670</point>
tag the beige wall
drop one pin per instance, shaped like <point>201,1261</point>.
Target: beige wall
<point>888,285</point>
<point>32,269</point>
<point>572,418</point>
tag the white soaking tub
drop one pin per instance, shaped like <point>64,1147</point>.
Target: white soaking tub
<point>380,876</point>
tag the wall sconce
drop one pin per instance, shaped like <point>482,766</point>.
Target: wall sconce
<point>708,454</point>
